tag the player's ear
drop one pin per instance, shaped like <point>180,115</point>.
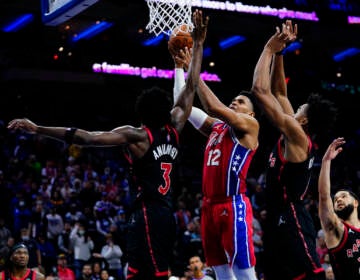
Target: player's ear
<point>356,203</point>
<point>303,120</point>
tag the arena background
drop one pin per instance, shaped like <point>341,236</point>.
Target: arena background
<point>55,88</point>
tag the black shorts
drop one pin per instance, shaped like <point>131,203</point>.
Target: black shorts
<point>290,247</point>
<point>150,242</point>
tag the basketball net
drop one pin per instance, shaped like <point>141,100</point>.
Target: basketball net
<point>165,15</point>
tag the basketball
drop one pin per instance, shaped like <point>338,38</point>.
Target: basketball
<point>179,39</point>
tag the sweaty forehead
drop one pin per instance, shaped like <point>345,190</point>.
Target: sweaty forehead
<point>21,250</point>
<point>341,193</point>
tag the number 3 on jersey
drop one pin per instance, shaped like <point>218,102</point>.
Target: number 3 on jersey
<point>213,157</point>
<point>166,167</point>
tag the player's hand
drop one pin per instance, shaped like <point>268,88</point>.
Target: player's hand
<point>290,30</point>
<point>334,149</point>
<point>183,58</point>
<point>200,26</point>
<point>278,41</point>
<point>23,124</point>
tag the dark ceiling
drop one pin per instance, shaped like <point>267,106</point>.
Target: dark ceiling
<point>30,73</point>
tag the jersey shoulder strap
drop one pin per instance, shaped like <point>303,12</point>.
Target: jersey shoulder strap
<point>5,275</point>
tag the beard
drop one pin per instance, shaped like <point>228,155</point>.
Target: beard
<point>345,213</point>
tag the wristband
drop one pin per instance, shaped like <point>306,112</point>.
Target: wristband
<point>69,134</point>
<point>197,117</point>
<point>179,82</point>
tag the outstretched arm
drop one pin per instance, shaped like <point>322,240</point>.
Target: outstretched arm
<point>278,82</point>
<point>331,224</point>
<point>183,102</point>
<point>118,136</point>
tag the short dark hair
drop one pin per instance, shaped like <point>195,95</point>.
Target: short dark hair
<point>253,101</point>
<point>353,194</point>
<point>16,247</point>
<point>8,262</point>
<point>153,107</point>
<point>322,115</point>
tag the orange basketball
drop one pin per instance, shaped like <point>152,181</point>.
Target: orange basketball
<point>179,39</point>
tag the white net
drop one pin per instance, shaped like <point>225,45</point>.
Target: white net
<point>166,15</point>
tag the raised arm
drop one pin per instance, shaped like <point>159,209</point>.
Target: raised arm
<point>261,89</point>
<point>278,82</point>
<point>183,102</point>
<point>198,118</point>
<point>331,224</point>
<point>241,122</point>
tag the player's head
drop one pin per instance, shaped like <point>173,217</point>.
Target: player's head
<point>317,115</point>
<point>153,107</point>
<point>18,256</point>
<point>345,203</point>
<point>244,102</point>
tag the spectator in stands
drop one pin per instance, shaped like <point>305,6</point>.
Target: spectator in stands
<point>5,233</point>
<point>54,225</point>
<point>48,253</point>
<point>182,216</point>
<point>86,272</point>
<point>83,246</point>
<point>199,269</point>
<point>64,272</point>
<point>112,254</point>
<point>64,243</point>
<point>4,252</point>
<point>104,275</point>
<point>21,216</point>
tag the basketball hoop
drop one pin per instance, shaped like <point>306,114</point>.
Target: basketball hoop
<point>166,15</point>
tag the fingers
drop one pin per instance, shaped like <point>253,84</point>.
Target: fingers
<point>339,141</point>
<point>295,29</point>
<point>198,19</point>
<point>14,124</point>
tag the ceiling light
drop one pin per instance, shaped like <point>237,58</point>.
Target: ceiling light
<point>18,23</point>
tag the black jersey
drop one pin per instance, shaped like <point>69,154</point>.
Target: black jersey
<point>152,227</point>
<point>287,182</point>
<point>289,230</point>
<point>153,174</point>
<point>345,258</point>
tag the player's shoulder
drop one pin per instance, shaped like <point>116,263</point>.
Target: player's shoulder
<point>39,275</point>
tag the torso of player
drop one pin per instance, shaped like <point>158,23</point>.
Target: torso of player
<point>345,258</point>
<point>226,163</point>
<point>154,172</point>
<point>287,182</point>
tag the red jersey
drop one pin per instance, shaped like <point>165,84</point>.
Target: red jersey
<point>226,163</point>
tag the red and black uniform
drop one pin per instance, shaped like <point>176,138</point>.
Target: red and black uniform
<point>345,258</point>
<point>152,230</point>
<point>29,275</point>
<point>289,231</point>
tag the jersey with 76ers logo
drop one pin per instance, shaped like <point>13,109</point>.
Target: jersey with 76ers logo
<point>226,163</point>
